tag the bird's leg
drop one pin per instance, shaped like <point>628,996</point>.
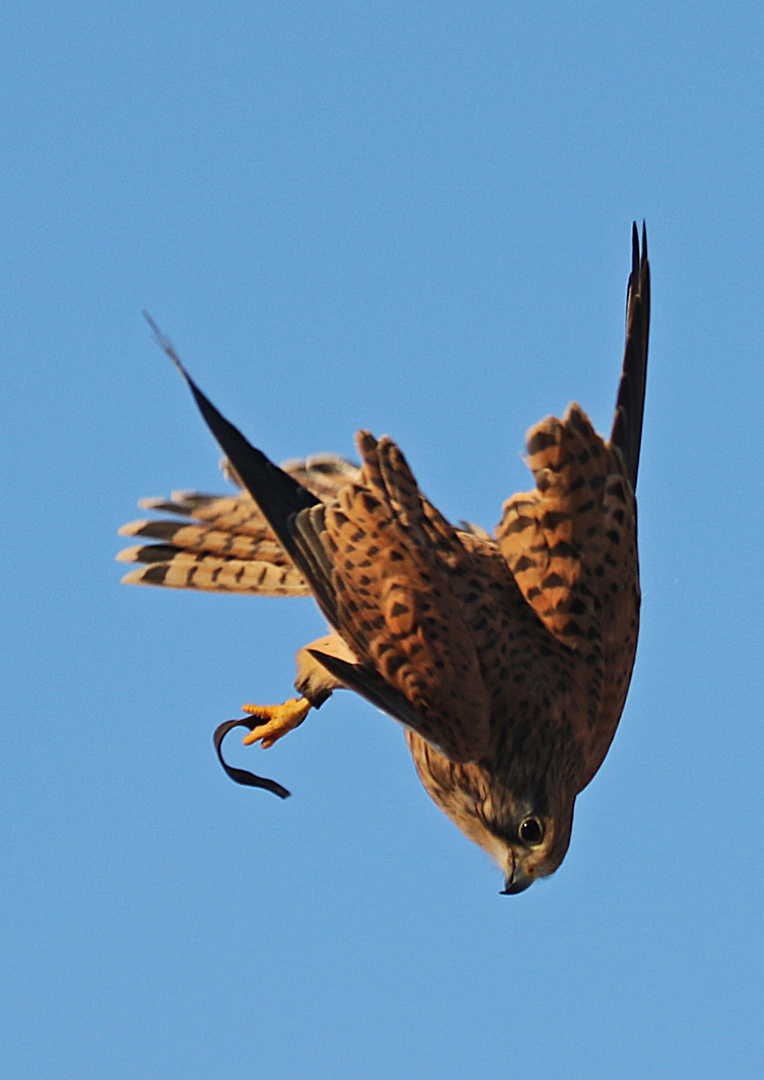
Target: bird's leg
<point>314,683</point>
<point>277,720</point>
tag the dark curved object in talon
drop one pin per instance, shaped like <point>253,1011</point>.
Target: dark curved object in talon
<point>241,776</point>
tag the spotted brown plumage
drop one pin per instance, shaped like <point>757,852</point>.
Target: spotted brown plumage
<point>507,660</point>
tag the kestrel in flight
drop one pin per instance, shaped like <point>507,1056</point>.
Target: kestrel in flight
<point>506,659</point>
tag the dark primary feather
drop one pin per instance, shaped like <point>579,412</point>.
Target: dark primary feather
<point>280,497</point>
<point>627,424</point>
<point>370,685</point>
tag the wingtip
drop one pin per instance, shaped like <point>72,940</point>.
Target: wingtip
<point>168,349</point>
<point>215,421</point>
<point>165,344</point>
<point>626,432</point>
<point>638,247</point>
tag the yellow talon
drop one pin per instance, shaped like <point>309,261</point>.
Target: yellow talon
<point>278,720</point>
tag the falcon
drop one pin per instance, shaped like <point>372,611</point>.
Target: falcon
<point>507,659</point>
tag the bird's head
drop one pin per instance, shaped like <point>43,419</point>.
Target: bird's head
<point>534,838</point>
<point>522,819</point>
<point>528,837</point>
<point>536,850</point>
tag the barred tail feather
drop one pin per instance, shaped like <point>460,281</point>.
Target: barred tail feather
<point>213,541</point>
<point>223,543</point>
<point>176,569</point>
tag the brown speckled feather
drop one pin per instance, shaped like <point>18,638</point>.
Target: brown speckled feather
<point>394,606</point>
<point>571,546</point>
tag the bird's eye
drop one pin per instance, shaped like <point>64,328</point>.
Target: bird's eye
<point>531,831</point>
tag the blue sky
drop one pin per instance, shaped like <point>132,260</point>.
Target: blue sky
<point>412,217</point>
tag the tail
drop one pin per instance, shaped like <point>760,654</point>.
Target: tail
<point>224,543</point>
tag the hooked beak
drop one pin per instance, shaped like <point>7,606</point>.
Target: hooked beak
<point>517,880</point>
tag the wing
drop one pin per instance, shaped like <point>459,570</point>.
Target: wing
<point>375,559</point>
<point>572,543</point>
<point>390,560</point>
